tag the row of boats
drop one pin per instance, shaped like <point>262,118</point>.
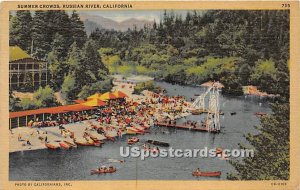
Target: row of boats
<point>68,144</point>
<point>196,173</point>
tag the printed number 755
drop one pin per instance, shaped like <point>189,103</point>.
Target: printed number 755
<point>285,5</point>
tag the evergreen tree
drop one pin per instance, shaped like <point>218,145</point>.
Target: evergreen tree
<point>271,145</point>
<point>20,30</point>
<point>91,64</point>
<point>73,61</point>
<point>41,40</point>
<point>77,30</point>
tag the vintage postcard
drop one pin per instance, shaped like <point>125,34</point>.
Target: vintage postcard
<point>149,95</point>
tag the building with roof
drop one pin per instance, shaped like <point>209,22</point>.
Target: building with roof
<point>26,73</point>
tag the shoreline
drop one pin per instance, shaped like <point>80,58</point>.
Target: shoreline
<point>53,133</point>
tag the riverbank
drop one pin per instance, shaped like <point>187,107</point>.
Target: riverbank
<point>147,102</point>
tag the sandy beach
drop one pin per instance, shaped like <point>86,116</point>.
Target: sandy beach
<point>36,136</point>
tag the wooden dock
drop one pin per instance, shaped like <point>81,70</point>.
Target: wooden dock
<point>184,127</point>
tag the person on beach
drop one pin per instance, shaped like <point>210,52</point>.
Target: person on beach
<point>198,170</point>
<point>19,137</point>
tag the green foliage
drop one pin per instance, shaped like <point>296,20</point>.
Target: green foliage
<point>68,88</point>
<point>99,86</point>
<point>26,103</point>
<point>73,59</point>
<point>20,30</point>
<point>77,29</point>
<point>271,157</point>
<point>44,97</point>
<point>265,76</point>
<point>148,85</point>
<point>57,70</point>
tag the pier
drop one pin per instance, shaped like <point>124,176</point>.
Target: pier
<point>185,127</point>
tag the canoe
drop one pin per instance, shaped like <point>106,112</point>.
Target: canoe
<point>260,113</point>
<point>131,130</point>
<point>233,113</point>
<point>64,145</point>
<point>73,145</point>
<point>158,143</point>
<point>103,172</point>
<point>138,129</point>
<point>84,143</point>
<point>110,138</point>
<point>133,140</point>
<point>207,174</point>
<point>198,112</point>
<point>51,146</point>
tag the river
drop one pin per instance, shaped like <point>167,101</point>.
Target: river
<point>76,164</point>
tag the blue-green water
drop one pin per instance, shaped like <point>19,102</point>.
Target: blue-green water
<point>76,164</point>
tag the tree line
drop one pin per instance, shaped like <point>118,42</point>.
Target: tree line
<point>75,66</point>
<point>237,48</point>
<point>234,47</point>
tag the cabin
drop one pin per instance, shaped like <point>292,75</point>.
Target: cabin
<point>26,73</point>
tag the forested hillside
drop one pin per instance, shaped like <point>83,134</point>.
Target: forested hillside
<point>75,66</point>
<point>236,48</point>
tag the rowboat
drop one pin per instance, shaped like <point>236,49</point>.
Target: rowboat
<point>64,145</point>
<point>153,150</point>
<point>198,111</point>
<point>110,138</point>
<point>87,143</point>
<point>138,129</point>
<point>207,174</point>
<point>133,140</point>
<point>103,171</point>
<point>131,130</point>
<point>158,143</point>
<point>73,145</point>
<point>51,146</point>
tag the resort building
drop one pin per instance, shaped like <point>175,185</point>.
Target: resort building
<point>25,73</point>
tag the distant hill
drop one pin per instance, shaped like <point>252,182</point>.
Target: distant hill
<point>90,26</point>
<point>102,22</point>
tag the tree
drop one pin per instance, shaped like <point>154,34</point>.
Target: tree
<point>77,29</point>
<point>100,86</point>
<point>73,60</point>
<point>20,30</point>
<point>40,35</point>
<point>271,145</point>
<point>57,70</point>
<point>13,102</point>
<point>26,103</point>
<point>68,89</point>
<point>90,65</point>
<point>44,97</point>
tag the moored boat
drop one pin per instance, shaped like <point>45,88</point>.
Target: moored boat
<point>51,146</point>
<point>158,143</point>
<point>84,143</point>
<point>109,138</point>
<point>64,145</point>
<point>113,170</point>
<point>198,111</point>
<point>260,113</point>
<point>207,174</point>
<point>131,130</point>
<point>73,145</point>
<point>133,140</point>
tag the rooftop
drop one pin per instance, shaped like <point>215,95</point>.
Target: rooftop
<point>16,53</point>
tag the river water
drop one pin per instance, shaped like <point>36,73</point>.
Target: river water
<point>76,164</point>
